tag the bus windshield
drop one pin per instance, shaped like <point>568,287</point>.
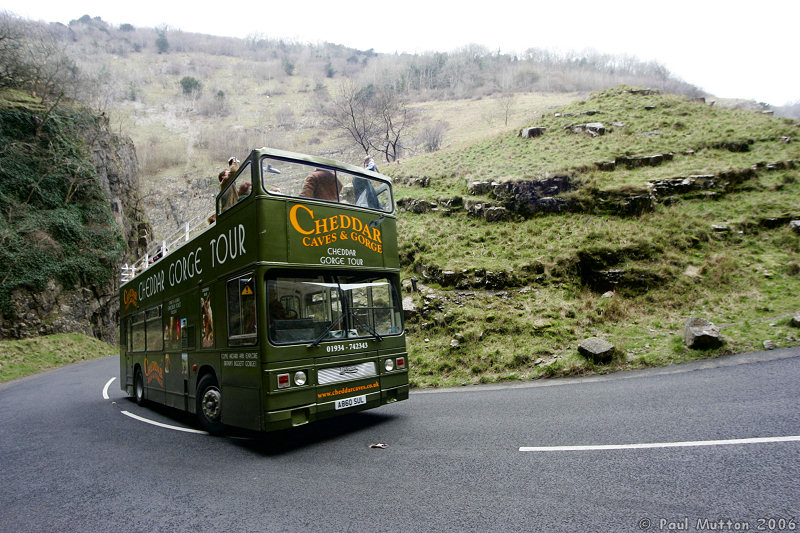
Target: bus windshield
<point>316,308</point>
<point>304,180</point>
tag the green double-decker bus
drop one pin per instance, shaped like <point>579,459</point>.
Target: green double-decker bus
<point>280,309</point>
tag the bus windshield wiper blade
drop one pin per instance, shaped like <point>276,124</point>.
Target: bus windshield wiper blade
<point>366,325</point>
<point>327,330</point>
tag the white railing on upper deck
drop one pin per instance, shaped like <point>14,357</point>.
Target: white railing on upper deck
<point>158,250</point>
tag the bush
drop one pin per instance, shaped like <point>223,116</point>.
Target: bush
<point>190,85</point>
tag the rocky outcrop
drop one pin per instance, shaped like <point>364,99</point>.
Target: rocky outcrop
<point>114,157</point>
<point>93,310</point>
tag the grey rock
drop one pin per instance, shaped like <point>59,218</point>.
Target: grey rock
<point>496,214</point>
<point>597,349</point>
<point>529,133</point>
<point>700,334</point>
<point>480,187</point>
<point>795,225</point>
<point>796,321</point>
<point>769,345</point>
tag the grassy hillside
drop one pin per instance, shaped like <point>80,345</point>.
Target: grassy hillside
<point>725,252</point>
<point>19,358</point>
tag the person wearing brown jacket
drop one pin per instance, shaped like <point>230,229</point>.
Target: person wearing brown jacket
<point>322,184</point>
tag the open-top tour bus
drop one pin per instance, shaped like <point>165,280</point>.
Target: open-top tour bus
<point>284,310</point>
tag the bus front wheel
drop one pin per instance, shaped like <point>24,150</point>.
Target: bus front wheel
<point>209,404</point>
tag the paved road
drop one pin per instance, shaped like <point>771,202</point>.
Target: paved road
<point>71,461</point>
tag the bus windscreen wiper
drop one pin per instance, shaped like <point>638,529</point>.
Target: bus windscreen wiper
<point>327,330</point>
<point>356,320</point>
<point>367,326</point>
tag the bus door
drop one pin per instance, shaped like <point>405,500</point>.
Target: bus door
<point>154,356</point>
<point>175,356</point>
<point>240,359</point>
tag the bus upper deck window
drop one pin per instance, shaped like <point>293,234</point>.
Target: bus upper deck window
<point>302,180</point>
<point>235,188</point>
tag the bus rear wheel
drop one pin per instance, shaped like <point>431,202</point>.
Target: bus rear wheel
<point>138,387</point>
<point>209,405</point>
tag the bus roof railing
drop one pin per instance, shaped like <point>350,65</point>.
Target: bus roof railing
<point>170,243</point>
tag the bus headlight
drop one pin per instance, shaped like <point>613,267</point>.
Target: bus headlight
<point>388,365</point>
<point>299,378</point>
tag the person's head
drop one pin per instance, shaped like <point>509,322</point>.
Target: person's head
<point>367,160</point>
<point>232,160</point>
<point>245,188</point>
<point>223,175</point>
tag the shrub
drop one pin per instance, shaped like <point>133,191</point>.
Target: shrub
<point>190,85</point>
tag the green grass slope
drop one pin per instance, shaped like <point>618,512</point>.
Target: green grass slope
<point>19,358</point>
<point>519,295</point>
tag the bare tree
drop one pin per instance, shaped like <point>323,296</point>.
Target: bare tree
<point>396,116</point>
<point>32,58</point>
<point>350,112</point>
<point>506,104</point>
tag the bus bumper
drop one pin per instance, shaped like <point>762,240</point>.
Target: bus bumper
<point>298,416</point>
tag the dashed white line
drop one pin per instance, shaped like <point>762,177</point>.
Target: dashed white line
<point>159,424</point>
<point>105,389</point>
<point>759,440</point>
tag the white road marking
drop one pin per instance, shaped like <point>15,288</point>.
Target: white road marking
<point>159,424</point>
<point>105,389</point>
<point>759,440</point>
<point>147,420</point>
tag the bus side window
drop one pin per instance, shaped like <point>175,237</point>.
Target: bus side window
<point>155,333</point>
<point>137,332</point>
<point>241,298</point>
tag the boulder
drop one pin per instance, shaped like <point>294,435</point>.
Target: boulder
<point>529,133</point>
<point>700,334</point>
<point>592,128</point>
<point>415,206</point>
<point>795,225</point>
<point>480,187</point>
<point>410,309</point>
<point>496,214</point>
<point>597,349</point>
<point>450,203</point>
<point>796,321</point>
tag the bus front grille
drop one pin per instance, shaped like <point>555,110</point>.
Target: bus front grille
<point>346,373</point>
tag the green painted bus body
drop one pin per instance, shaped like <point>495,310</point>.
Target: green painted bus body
<point>179,319</point>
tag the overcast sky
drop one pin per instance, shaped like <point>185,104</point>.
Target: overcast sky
<point>729,49</point>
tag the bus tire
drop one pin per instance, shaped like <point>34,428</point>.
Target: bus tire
<point>209,405</point>
<point>138,387</point>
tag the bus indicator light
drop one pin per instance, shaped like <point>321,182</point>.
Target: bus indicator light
<point>283,381</point>
<point>401,362</point>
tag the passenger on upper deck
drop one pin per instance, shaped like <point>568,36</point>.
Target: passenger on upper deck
<point>229,196</point>
<point>245,188</point>
<point>322,184</point>
<point>369,164</point>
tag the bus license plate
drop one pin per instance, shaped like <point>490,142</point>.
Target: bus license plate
<point>344,403</point>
